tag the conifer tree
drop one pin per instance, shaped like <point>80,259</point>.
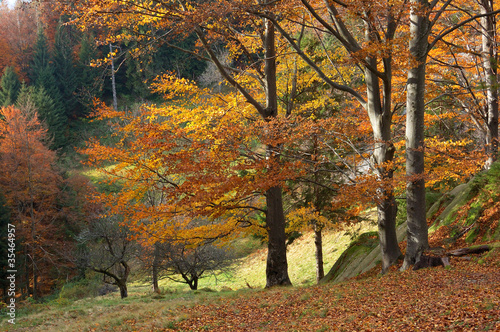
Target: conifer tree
<point>64,68</point>
<point>49,113</point>
<point>10,86</point>
<point>44,78</point>
<point>41,57</point>
<point>89,82</point>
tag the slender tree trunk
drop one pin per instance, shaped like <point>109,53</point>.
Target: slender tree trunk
<point>417,239</point>
<point>490,66</point>
<point>113,81</point>
<point>317,226</point>
<point>318,242</point>
<point>121,283</point>
<point>155,268</point>
<point>191,280</point>
<point>27,273</point>
<point>26,289</point>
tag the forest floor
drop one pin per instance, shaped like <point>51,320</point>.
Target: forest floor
<point>462,297</point>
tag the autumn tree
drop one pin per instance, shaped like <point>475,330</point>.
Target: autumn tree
<point>17,37</point>
<point>30,182</point>
<point>7,56</point>
<point>425,34</point>
<point>372,51</point>
<point>212,23</point>
<point>463,75</point>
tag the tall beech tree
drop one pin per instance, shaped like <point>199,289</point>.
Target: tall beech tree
<point>489,53</point>
<point>373,52</point>
<point>211,21</point>
<point>424,17</point>
<point>420,29</point>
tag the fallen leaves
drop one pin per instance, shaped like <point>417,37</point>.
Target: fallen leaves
<point>465,297</point>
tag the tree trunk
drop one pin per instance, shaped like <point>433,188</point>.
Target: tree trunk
<point>387,210</point>
<point>318,242</point>
<point>467,251</point>
<point>113,82</point>
<point>277,266</point>
<point>490,66</point>
<point>380,114</point>
<point>195,283</point>
<point>155,268</point>
<point>122,285</point>
<point>191,280</point>
<point>415,108</point>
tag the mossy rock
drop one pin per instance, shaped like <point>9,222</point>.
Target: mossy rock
<point>351,258</point>
<point>445,199</point>
<point>362,255</point>
<point>460,195</point>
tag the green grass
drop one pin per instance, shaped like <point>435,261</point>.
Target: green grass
<point>78,314</point>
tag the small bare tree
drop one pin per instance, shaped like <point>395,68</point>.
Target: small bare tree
<point>105,247</point>
<point>183,263</point>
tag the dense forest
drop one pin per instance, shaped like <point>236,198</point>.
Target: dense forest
<point>202,122</point>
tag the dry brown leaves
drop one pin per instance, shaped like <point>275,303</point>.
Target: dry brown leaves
<point>465,297</point>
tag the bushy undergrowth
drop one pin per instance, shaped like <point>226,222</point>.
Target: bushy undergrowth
<point>80,289</point>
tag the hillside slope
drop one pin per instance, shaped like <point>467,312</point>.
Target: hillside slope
<point>462,297</point>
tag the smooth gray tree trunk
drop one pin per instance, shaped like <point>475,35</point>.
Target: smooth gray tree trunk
<point>417,234</point>
<point>113,81</point>
<point>490,67</point>
<point>379,110</point>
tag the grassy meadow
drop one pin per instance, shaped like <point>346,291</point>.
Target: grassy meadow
<point>71,310</point>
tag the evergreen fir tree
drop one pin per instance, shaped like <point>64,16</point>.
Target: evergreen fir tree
<point>41,57</point>
<point>137,77</point>
<point>44,78</point>
<point>54,117</point>
<point>10,86</point>
<point>89,80</point>
<point>65,73</point>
